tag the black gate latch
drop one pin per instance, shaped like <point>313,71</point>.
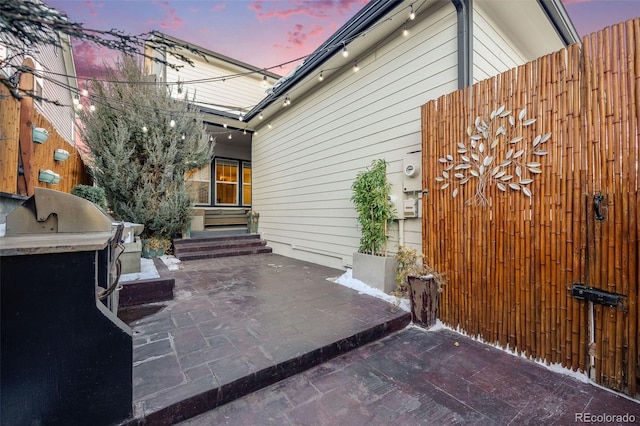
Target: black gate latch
<point>595,295</point>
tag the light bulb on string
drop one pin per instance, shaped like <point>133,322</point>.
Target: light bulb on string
<point>79,107</point>
<point>76,101</point>
<point>183,136</point>
<point>405,31</point>
<point>172,123</point>
<point>244,132</point>
<point>412,14</point>
<point>345,52</point>
<point>356,68</point>
<point>210,138</point>
<point>264,81</point>
<point>270,126</point>
<point>144,129</point>
<point>261,116</point>
<point>224,125</point>
<point>320,77</point>
<point>92,107</point>
<point>230,137</point>
<point>85,92</point>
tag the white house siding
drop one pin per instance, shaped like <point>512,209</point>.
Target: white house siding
<point>492,51</point>
<point>53,67</point>
<point>242,91</point>
<point>304,166</point>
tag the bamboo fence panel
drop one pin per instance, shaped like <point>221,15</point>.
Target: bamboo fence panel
<point>72,171</point>
<point>511,263</point>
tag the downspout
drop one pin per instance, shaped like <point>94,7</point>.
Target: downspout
<point>464,12</point>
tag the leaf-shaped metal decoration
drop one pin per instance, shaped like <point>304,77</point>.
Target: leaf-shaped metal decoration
<point>474,172</point>
<point>495,170</point>
<point>487,161</point>
<point>442,160</point>
<point>545,137</point>
<point>495,143</point>
<point>473,144</point>
<point>529,122</point>
<point>445,174</point>
<point>462,166</point>
<point>506,163</point>
<point>445,186</point>
<point>500,174</point>
<point>461,145</point>
<point>476,137</point>
<point>526,192</point>
<point>518,154</point>
<point>536,171</point>
<point>465,180</point>
<point>516,140</point>
<point>455,192</point>
<point>465,158</point>
<point>450,166</point>
<point>506,178</point>
<point>500,110</point>
<point>540,152</point>
<point>533,164</point>
<point>512,121</point>
<point>459,175</point>
<point>537,140</point>
<point>469,131</point>
<point>509,154</point>
<point>525,181</point>
<point>481,169</point>
<point>514,186</point>
<point>505,113</point>
<point>522,114</point>
<point>449,157</point>
<point>462,151</point>
<point>439,179</point>
<point>501,187</point>
<point>481,147</point>
<point>475,157</point>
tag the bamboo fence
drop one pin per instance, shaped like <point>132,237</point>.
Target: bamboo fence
<point>511,264</point>
<point>72,171</point>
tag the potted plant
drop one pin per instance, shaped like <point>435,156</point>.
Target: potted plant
<point>418,281</point>
<point>371,197</point>
<point>154,247</point>
<point>39,134</point>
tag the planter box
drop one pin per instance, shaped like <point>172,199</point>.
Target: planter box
<point>377,271</point>
<point>60,155</point>
<point>424,295</point>
<point>39,135</point>
<point>46,176</point>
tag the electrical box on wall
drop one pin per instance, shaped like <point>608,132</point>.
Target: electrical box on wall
<point>410,207</point>
<point>412,172</point>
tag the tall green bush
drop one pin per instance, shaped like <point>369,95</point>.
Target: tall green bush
<point>95,194</point>
<point>371,193</point>
<point>143,141</point>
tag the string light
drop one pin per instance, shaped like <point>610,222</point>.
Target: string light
<point>85,92</point>
<point>261,116</point>
<point>320,77</point>
<point>230,137</point>
<point>244,132</point>
<point>210,138</point>
<point>92,107</point>
<point>265,83</point>
<point>412,14</point>
<point>270,126</point>
<point>79,106</point>
<point>224,125</point>
<point>76,101</point>
<point>345,52</point>
<point>144,129</point>
<point>172,123</point>
<point>183,136</point>
<point>405,31</point>
<point>356,68</point>
<point>240,117</point>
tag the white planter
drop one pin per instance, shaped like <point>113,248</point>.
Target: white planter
<point>60,155</point>
<point>377,271</point>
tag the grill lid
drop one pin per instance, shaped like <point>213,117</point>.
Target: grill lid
<point>50,211</point>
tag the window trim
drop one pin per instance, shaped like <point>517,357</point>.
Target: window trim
<point>250,184</point>
<point>237,183</point>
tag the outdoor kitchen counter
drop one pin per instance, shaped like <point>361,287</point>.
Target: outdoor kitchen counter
<point>53,243</point>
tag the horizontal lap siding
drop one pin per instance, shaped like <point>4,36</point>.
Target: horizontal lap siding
<point>304,166</point>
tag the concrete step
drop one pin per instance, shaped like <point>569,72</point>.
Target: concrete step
<point>219,246</point>
<point>205,253</point>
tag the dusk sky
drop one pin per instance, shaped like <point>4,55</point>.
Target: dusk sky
<point>264,33</point>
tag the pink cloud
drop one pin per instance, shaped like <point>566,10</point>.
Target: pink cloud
<point>193,10</point>
<point>218,6</point>
<point>92,6</point>
<point>90,60</point>
<point>320,9</point>
<point>171,21</point>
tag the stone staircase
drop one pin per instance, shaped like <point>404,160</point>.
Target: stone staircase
<point>219,246</point>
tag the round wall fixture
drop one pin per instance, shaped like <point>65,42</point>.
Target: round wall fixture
<point>411,170</point>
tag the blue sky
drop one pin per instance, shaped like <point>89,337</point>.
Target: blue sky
<point>265,33</point>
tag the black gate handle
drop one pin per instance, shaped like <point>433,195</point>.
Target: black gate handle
<point>597,199</point>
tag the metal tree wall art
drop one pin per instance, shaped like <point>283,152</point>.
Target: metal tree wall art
<point>496,153</point>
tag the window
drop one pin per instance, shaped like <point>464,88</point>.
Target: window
<point>199,184</point>
<point>226,182</point>
<point>246,184</point>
